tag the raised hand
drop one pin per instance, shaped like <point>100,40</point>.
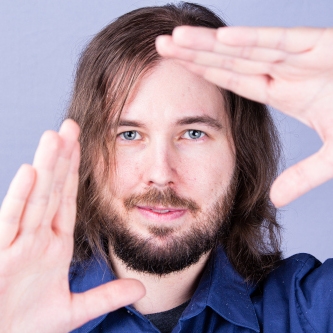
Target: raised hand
<point>289,69</point>
<point>36,245</point>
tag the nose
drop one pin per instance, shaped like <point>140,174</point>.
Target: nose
<point>159,162</point>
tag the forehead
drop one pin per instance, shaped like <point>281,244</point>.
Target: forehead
<point>170,90</point>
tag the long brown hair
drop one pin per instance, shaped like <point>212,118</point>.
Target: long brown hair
<point>112,63</point>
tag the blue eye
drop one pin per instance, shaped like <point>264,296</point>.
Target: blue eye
<point>193,134</point>
<point>130,135</point>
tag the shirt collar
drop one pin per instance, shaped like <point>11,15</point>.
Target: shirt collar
<point>225,291</point>
<point>220,288</point>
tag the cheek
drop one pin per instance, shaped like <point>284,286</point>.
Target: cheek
<point>208,174</point>
<point>128,171</point>
<point>211,173</point>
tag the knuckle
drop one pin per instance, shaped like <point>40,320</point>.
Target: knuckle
<point>327,155</point>
<point>68,200</point>
<point>299,171</point>
<point>58,186</point>
<point>228,63</point>
<point>195,57</point>
<point>10,219</point>
<point>246,52</point>
<point>115,289</point>
<point>281,41</point>
<point>301,177</point>
<point>191,55</point>
<point>233,82</point>
<point>39,200</point>
<point>271,68</point>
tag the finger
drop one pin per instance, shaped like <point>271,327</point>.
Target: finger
<point>212,59</point>
<point>253,87</point>
<point>302,177</point>
<point>106,298</point>
<point>199,38</point>
<point>292,40</point>
<point>14,203</point>
<point>68,133</point>
<point>45,160</point>
<point>65,217</point>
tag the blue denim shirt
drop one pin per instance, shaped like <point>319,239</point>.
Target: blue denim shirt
<point>296,297</point>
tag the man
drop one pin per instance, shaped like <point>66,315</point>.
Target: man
<point>173,188</point>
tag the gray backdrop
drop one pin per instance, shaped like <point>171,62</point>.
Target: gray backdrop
<point>40,42</point>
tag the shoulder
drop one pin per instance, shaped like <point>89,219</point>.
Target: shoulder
<point>302,271</point>
<point>302,266</point>
<point>297,264</point>
<point>299,291</point>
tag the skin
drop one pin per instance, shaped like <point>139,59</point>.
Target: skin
<point>290,69</point>
<point>36,245</point>
<point>38,213</point>
<point>163,154</point>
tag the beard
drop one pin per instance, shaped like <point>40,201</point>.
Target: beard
<point>165,251</point>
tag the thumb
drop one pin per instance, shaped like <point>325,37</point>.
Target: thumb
<point>303,176</point>
<point>105,298</point>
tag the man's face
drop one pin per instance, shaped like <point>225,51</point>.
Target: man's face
<point>173,186</point>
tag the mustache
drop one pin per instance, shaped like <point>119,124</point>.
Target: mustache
<point>166,198</point>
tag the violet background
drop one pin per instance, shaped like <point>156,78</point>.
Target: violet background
<point>40,42</point>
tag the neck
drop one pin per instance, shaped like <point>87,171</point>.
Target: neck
<point>165,292</point>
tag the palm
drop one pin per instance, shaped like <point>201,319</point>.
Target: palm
<point>289,69</point>
<point>36,244</point>
<point>30,285</point>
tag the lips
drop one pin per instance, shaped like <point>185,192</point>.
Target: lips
<point>161,213</point>
<point>161,210</point>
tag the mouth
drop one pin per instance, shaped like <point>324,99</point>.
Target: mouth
<point>161,213</point>
<point>161,210</point>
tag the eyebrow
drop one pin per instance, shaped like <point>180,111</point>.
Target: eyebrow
<point>206,120</point>
<point>130,123</point>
